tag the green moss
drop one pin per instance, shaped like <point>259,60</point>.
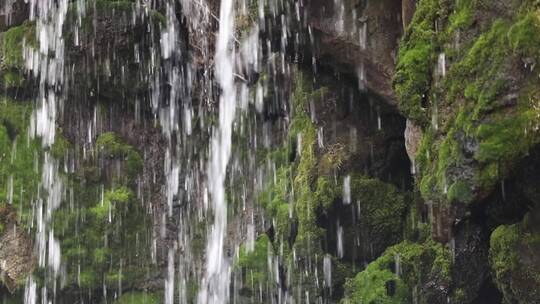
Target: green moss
<point>275,201</point>
<point>303,130</point>
<point>13,79</point>
<point>487,114</point>
<point>503,255</point>
<point>504,138</point>
<point>415,61</point>
<point>19,158</point>
<point>370,286</point>
<point>12,44</point>
<point>60,146</point>
<point>383,207</point>
<point>523,36</point>
<point>417,263</point>
<point>254,264</point>
<point>111,145</point>
<point>462,18</point>
<point>459,191</point>
<point>110,203</point>
<point>326,192</point>
<point>139,297</point>
<point>514,261</point>
<point>104,236</point>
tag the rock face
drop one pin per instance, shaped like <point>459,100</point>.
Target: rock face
<point>16,251</point>
<point>12,13</point>
<point>359,38</point>
<point>407,11</point>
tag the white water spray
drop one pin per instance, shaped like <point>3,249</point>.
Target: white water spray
<point>215,284</point>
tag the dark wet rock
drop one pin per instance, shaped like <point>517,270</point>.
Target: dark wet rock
<point>338,38</point>
<point>408,8</point>
<point>12,13</point>
<point>470,247</point>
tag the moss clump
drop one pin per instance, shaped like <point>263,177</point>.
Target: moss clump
<point>514,260</point>
<point>110,203</point>
<point>138,297</point>
<point>112,146</point>
<point>19,158</point>
<point>415,60</point>
<point>383,210</point>
<point>60,146</point>
<point>459,191</point>
<point>254,264</point>
<point>12,44</point>
<point>523,36</point>
<point>275,200</point>
<point>402,268</point>
<point>104,237</point>
<point>370,286</point>
<point>12,79</point>
<point>105,233</point>
<point>462,18</point>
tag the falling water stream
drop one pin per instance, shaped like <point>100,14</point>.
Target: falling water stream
<point>215,284</point>
<point>47,64</point>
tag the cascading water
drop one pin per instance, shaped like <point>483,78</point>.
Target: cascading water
<point>47,64</point>
<point>215,284</point>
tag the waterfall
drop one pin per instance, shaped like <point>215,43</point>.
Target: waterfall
<point>47,63</point>
<point>215,284</point>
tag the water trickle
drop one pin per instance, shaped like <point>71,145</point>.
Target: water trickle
<point>363,35</point>
<point>339,232</point>
<point>347,190</point>
<point>10,190</point>
<point>327,269</point>
<point>397,261</point>
<point>30,291</point>
<point>441,64</point>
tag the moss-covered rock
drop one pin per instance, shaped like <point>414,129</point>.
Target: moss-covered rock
<point>20,156</point>
<point>110,145</point>
<point>12,44</point>
<point>474,90</point>
<point>12,47</point>
<point>515,261</point>
<point>405,273</point>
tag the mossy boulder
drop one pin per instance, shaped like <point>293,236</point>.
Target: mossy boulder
<point>12,47</point>
<point>468,76</point>
<point>20,157</point>
<point>111,146</point>
<point>515,261</point>
<point>405,273</point>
